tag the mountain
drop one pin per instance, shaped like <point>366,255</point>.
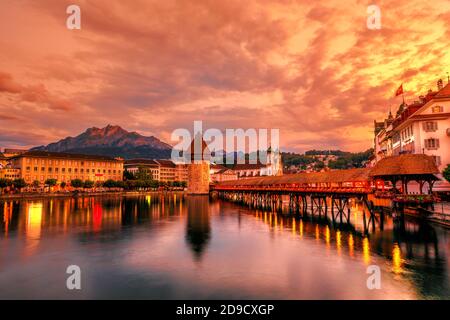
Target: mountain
<point>112,141</point>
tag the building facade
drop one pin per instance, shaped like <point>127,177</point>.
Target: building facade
<point>272,167</point>
<point>64,167</point>
<point>422,127</point>
<point>159,170</point>
<point>9,173</point>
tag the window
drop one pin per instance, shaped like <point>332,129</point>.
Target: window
<point>430,126</point>
<point>437,109</point>
<point>432,144</point>
<point>437,160</point>
<point>42,169</point>
<point>28,168</point>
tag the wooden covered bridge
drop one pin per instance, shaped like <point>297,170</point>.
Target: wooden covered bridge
<point>334,189</point>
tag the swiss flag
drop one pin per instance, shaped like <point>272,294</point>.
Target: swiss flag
<point>399,90</point>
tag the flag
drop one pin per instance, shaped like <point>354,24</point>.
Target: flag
<point>399,90</point>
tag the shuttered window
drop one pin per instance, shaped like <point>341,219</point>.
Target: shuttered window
<point>430,126</point>
<point>432,144</point>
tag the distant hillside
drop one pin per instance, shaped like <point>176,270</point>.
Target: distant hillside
<point>343,160</point>
<point>111,141</point>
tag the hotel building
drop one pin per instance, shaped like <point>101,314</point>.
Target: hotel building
<point>422,127</point>
<point>159,170</point>
<point>64,167</point>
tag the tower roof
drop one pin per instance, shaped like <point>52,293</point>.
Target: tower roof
<point>198,150</point>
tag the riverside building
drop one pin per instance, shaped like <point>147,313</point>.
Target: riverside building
<point>64,167</point>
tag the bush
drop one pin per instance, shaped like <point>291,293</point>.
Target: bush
<point>446,173</point>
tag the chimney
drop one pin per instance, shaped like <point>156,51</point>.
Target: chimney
<point>440,84</point>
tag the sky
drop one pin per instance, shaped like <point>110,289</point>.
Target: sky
<point>309,68</point>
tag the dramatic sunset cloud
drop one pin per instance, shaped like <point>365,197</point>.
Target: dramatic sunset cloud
<point>310,68</point>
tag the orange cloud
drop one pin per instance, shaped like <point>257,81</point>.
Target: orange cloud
<point>311,69</point>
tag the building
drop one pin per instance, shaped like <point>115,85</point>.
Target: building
<point>272,167</point>
<point>9,173</point>
<point>422,127</point>
<point>149,166</point>
<point>159,170</point>
<point>64,167</point>
<point>223,175</point>
<point>8,152</point>
<point>3,161</point>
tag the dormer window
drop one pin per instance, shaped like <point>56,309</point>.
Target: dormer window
<point>437,109</point>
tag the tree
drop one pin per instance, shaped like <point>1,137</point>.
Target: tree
<point>88,184</point>
<point>63,184</point>
<point>4,183</point>
<point>50,183</point>
<point>127,175</point>
<point>109,183</point>
<point>19,183</point>
<point>36,184</point>
<point>143,174</point>
<point>446,173</point>
<point>76,183</point>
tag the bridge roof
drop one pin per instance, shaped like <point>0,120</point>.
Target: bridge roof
<point>350,175</point>
<point>405,164</point>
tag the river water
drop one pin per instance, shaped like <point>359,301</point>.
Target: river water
<point>180,247</point>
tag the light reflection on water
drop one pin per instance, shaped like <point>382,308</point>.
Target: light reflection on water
<point>175,247</point>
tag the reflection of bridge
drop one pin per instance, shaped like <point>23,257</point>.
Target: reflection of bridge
<point>330,192</point>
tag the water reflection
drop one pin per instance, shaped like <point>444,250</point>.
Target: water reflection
<point>171,233</point>
<point>198,224</point>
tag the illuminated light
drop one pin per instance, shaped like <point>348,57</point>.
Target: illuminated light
<point>97,216</point>
<point>300,229</point>
<point>338,242</point>
<point>317,232</point>
<point>327,235</point>
<point>148,199</point>
<point>34,225</point>
<point>351,245</point>
<point>293,226</point>
<point>396,259</point>
<point>366,250</point>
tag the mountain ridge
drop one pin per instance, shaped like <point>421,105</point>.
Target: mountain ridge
<point>113,141</point>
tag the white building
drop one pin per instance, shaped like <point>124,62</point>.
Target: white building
<point>422,127</point>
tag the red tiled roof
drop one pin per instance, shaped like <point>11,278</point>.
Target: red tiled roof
<point>444,92</point>
<point>405,164</point>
